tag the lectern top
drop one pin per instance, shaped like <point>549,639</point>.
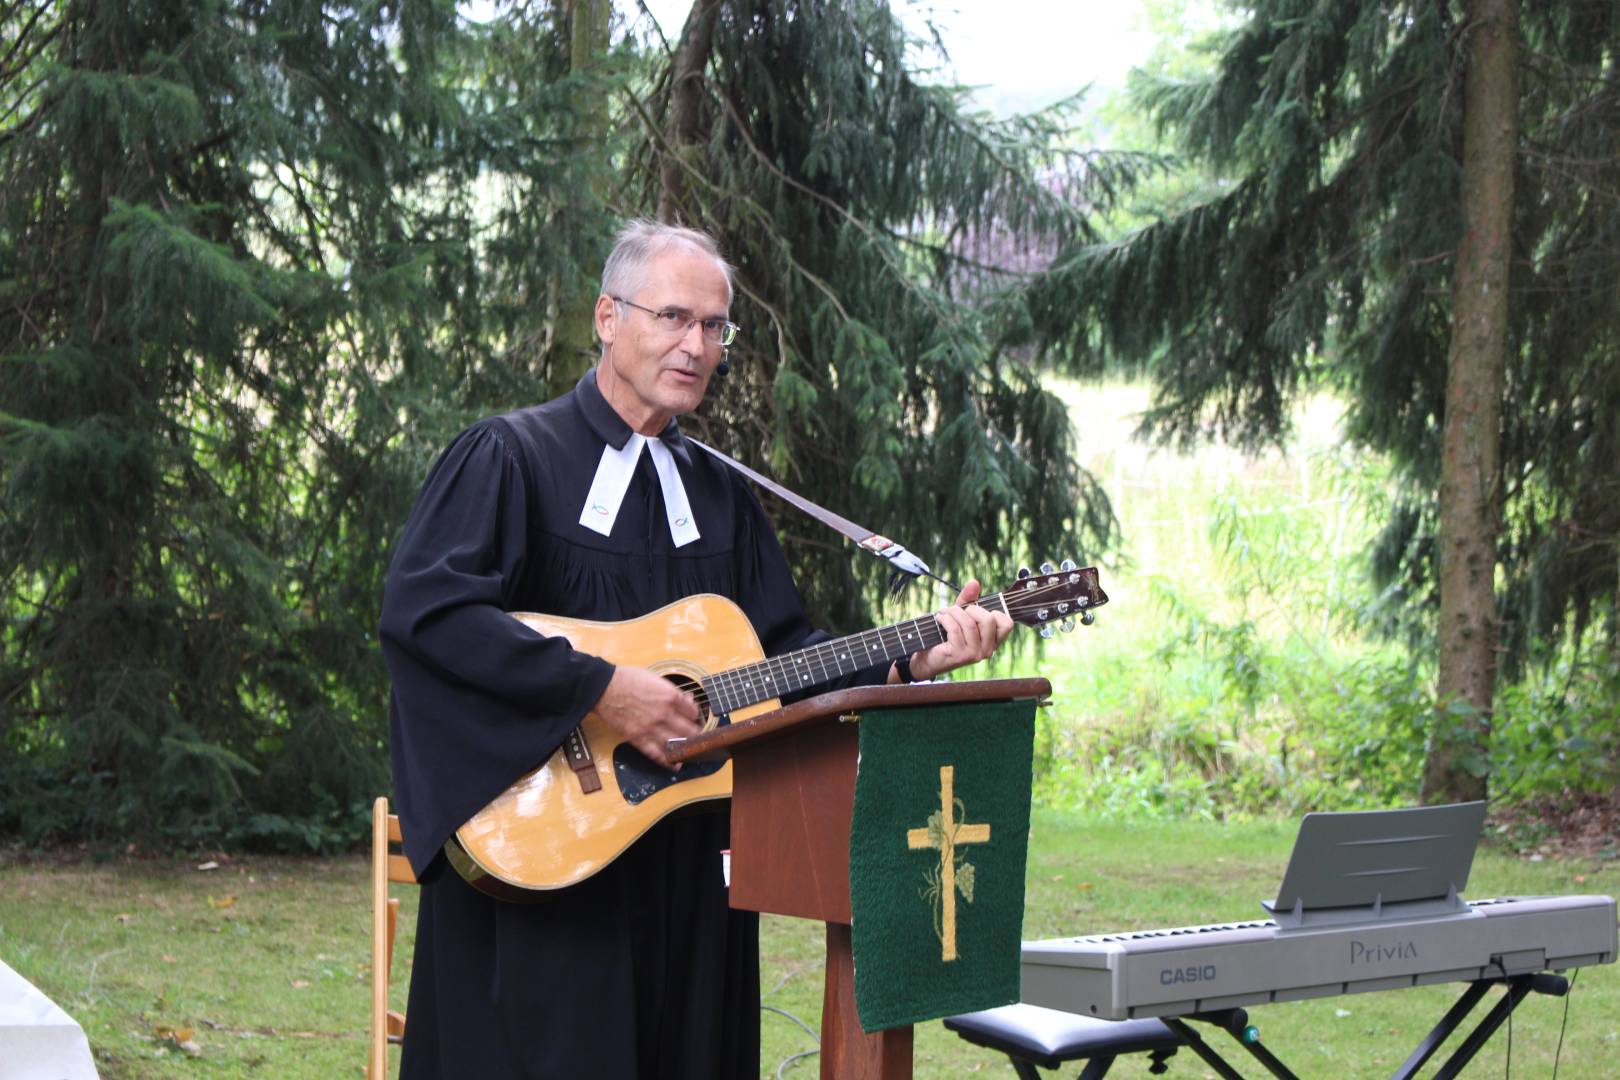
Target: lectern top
<point>723,739</point>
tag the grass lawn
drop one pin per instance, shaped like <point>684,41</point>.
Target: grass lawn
<point>260,964</point>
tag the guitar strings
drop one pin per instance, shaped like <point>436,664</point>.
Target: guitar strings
<point>738,679</point>
<point>777,673</point>
<point>832,657</point>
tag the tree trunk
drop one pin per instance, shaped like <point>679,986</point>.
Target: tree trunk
<point>575,348</point>
<point>1470,489</point>
<point>685,109</point>
<point>588,32</point>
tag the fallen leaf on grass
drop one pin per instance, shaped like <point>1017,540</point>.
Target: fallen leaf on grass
<point>209,865</point>
<point>167,959</point>
<point>1084,885</point>
<point>178,1037</point>
<point>222,902</point>
<point>123,917</point>
<point>299,984</point>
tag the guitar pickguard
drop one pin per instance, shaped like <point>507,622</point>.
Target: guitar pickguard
<point>640,779</point>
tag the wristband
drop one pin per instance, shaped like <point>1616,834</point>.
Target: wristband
<point>902,668</point>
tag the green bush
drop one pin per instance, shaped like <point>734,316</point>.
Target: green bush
<point>1268,693</point>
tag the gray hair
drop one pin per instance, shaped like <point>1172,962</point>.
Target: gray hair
<point>625,272</point>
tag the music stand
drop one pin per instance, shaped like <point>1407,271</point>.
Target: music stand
<point>1379,864</point>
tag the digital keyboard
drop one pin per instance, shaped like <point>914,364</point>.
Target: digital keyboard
<point>1193,969</point>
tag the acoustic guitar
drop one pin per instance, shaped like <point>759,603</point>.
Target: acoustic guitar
<point>564,821</point>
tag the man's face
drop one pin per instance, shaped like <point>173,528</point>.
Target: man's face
<point>651,372</point>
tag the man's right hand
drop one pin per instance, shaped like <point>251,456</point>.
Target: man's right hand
<point>648,710</point>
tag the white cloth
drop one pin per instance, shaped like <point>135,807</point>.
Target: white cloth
<point>38,1041</point>
<point>612,480</point>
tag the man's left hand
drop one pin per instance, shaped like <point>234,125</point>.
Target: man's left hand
<point>971,634</point>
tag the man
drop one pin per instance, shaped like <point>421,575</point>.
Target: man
<point>590,507</point>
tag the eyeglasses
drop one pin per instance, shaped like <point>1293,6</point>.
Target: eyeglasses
<point>673,320</point>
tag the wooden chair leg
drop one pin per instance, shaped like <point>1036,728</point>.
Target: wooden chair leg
<point>387,1025</point>
<point>396,1020</point>
<point>381,943</point>
<point>393,922</point>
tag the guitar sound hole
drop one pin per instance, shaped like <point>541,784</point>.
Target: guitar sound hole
<point>639,777</point>
<point>690,687</point>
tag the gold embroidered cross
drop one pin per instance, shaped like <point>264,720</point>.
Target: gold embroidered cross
<point>948,836</point>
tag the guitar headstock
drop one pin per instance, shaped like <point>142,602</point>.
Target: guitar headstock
<point>1054,596</point>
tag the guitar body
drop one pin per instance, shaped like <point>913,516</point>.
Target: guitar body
<point>546,831</point>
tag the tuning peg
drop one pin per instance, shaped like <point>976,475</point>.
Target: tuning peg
<point>1088,617</point>
<point>1066,625</point>
<point>1046,631</point>
<point>1048,568</point>
<point>1067,565</point>
<point>1023,572</point>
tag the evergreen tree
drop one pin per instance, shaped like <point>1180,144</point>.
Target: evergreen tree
<point>1329,260</point>
<point>886,240</point>
<point>257,261</point>
<point>260,258</point>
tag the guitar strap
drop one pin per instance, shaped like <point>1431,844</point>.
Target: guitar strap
<point>902,563</point>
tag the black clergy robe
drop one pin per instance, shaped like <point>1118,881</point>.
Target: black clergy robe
<point>641,972</point>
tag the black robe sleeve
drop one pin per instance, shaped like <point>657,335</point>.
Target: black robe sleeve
<point>478,698</point>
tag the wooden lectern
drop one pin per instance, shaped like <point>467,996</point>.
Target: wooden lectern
<point>793,788</point>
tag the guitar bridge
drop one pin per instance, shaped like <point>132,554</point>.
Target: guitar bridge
<point>581,761</point>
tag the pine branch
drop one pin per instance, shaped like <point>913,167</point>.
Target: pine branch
<point>11,63</point>
<point>761,218</point>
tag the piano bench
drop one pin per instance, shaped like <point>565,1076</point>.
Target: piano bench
<point>1030,1035</point>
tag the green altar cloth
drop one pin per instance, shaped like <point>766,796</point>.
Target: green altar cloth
<point>937,846</point>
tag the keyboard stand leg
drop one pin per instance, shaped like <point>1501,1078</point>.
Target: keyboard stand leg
<point>1197,1045</point>
<point>1263,1054</point>
<point>1235,1022</point>
<point>1442,1031</point>
<point>1518,986</point>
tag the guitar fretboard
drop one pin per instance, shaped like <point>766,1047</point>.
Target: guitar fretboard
<point>741,687</point>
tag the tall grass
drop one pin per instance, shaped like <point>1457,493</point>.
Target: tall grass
<point>1235,670</point>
